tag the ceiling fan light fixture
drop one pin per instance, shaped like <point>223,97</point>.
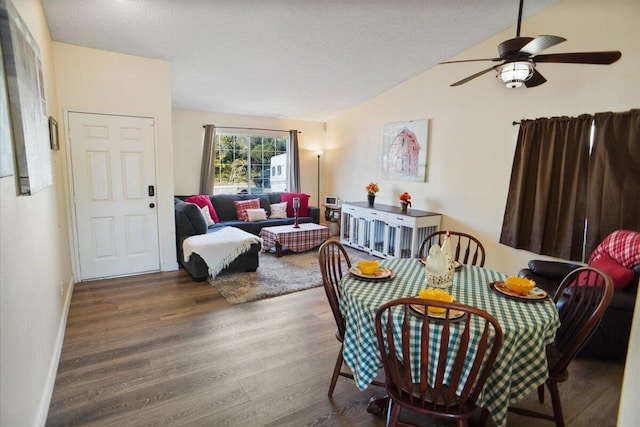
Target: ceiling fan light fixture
<point>514,74</point>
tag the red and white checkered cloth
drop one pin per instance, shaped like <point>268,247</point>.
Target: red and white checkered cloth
<point>308,236</point>
<point>621,245</point>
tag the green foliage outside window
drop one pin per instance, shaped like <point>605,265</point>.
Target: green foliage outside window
<point>244,162</point>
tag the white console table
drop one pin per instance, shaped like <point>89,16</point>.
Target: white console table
<point>385,231</point>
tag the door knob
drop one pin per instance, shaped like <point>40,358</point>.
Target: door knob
<point>152,205</point>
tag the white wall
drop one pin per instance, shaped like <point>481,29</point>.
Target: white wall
<point>34,265</point>
<point>187,146</point>
<point>472,140</point>
<point>98,81</point>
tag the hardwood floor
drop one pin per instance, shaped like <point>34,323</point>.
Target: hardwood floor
<point>160,349</point>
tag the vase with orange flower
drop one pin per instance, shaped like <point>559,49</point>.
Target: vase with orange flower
<point>372,188</point>
<point>405,201</point>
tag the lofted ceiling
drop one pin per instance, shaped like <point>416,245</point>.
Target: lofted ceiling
<point>299,59</point>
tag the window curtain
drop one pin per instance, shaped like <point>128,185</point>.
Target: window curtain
<point>546,202</point>
<point>207,167</point>
<point>293,163</point>
<point>614,176</point>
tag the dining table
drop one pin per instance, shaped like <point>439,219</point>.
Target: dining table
<point>528,325</point>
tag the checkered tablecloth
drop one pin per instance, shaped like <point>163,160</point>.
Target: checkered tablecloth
<point>527,327</point>
<point>308,236</point>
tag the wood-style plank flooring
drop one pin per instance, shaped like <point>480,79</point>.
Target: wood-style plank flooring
<point>160,349</point>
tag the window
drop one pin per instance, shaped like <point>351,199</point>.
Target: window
<point>245,163</point>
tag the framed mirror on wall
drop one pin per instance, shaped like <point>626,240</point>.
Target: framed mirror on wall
<point>26,104</point>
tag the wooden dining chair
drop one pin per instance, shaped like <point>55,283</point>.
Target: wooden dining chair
<point>334,263</point>
<point>582,298</point>
<point>465,248</point>
<point>436,393</point>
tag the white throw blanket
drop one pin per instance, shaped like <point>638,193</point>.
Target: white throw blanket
<point>220,248</point>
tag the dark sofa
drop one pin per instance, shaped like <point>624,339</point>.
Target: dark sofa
<point>189,222</point>
<point>611,338</point>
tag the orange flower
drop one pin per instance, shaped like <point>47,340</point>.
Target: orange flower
<point>372,188</point>
<point>405,198</point>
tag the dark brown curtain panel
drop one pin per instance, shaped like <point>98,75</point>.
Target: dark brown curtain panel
<point>546,203</point>
<point>207,166</point>
<point>293,161</point>
<point>614,176</point>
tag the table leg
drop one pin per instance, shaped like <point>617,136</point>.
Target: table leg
<point>278,250</point>
<point>378,406</point>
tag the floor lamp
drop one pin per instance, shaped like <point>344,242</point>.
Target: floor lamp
<point>319,179</point>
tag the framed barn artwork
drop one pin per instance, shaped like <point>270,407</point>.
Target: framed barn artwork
<point>404,150</point>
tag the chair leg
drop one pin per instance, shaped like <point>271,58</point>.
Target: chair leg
<point>556,403</point>
<point>336,373</point>
<point>484,416</point>
<point>393,414</point>
<point>541,393</point>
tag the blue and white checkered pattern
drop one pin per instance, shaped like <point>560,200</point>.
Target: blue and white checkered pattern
<point>527,327</point>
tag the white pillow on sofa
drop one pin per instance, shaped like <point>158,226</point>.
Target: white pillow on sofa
<point>207,215</point>
<point>279,210</point>
<point>256,214</point>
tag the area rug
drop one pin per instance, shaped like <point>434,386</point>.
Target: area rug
<point>276,276</point>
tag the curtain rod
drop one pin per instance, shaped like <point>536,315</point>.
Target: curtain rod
<point>246,128</point>
<point>514,123</point>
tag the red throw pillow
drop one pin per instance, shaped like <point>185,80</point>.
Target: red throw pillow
<point>243,205</point>
<point>620,275</point>
<point>202,201</point>
<point>304,203</point>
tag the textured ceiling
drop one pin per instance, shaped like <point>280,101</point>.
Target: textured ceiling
<point>301,59</point>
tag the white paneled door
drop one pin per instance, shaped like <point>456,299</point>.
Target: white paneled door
<point>113,168</point>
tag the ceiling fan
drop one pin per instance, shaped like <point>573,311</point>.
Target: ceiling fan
<point>519,57</point>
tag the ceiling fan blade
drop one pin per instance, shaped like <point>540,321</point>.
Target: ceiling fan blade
<point>471,60</point>
<point>536,79</point>
<point>604,57</point>
<point>471,77</point>
<point>541,43</point>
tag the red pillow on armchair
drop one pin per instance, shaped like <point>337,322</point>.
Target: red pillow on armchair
<point>620,275</point>
<point>304,203</point>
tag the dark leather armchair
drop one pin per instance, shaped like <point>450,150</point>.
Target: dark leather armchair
<point>610,339</point>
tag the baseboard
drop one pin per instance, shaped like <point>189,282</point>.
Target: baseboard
<point>169,266</point>
<point>47,392</point>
